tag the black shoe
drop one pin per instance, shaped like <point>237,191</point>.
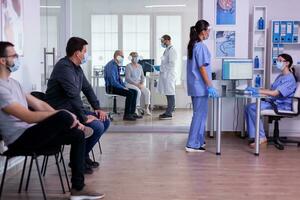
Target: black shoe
<point>129,118</point>
<point>91,163</point>
<point>88,169</point>
<point>165,116</point>
<point>137,116</point>
<point>251,140</point>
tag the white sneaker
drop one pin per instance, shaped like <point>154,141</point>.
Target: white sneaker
<point>189,149</point>
<point>147,112</point>
<point>85,194</point>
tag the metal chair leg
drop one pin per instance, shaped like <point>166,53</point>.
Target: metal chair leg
<point>65,170</point>
<point>59,173</point>
<point>22,176</point>
<point>3,176</point>
<point>43,164</point>
<point>93,155</point>
<point>100,149</point>
<point>40,177</point>
<point>61,152</point>
<point>45,167</point>
<point>29,173</point>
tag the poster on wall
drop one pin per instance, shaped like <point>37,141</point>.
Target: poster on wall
<point>225,12</point>
<point>225,44</point>
<point>12,13</point>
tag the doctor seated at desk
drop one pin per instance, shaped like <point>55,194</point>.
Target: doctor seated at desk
<point>281,90</point>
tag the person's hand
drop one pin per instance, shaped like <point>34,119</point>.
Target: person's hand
<point>80,126</point>
<point>126,88</point>
<point>141,85</point>
<point>253,90</point>
<point>90,118</point>
<point>101,115</point>
<point>212,92</point>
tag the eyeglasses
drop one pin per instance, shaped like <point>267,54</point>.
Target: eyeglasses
<point>281,60</point>
<point>13,56</point>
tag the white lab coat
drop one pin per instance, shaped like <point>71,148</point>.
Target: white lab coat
<point>167,75</point>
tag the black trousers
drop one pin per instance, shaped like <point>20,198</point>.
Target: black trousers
<point>130,103</point>
<point>55,131</point>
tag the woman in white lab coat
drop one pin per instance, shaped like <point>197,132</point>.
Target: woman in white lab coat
<point>167,76</point>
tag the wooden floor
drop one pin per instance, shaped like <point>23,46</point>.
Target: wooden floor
<point>145,166</point>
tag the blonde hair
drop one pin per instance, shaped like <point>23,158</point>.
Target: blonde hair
<point>133,54</point>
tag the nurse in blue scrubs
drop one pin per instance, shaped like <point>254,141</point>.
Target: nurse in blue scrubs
<point>283,87</point>
<point>199,84</point>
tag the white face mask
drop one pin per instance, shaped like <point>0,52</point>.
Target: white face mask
<point>280,65</point>
<point>120,60</point>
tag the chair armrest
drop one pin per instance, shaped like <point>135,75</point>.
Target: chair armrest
<point>287,114</point>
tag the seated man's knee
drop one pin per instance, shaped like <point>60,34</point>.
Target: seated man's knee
<point>64,116</point>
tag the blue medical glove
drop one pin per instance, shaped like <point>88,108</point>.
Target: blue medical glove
<point>253,90</point>
<point>212,92</point>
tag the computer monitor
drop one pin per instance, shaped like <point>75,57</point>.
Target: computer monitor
<point>147,65</point>
<point>237,69</point>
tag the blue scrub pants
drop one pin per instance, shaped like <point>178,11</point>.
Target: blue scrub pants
<point>250,116</point>
<point>197,130</point>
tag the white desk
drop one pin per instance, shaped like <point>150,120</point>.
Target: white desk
<point>219,120</point>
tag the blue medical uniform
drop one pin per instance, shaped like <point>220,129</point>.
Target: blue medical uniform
<point>286,85</point>
<point>197,89</point>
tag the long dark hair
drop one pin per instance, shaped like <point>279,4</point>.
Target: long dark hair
<point>289,59</point>
<point>200,26</point>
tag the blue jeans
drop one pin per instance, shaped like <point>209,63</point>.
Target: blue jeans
<point>99,128</point>
<point>197,129</point>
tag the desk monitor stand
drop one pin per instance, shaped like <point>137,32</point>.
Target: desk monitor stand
<point>234,84</point>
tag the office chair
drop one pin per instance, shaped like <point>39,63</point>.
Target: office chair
<point>275,115</point>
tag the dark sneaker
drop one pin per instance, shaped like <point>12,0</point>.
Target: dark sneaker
<point>88,169</point>
<point>189,149</point>
<point>137,116</point>
<point>165,116</point>
<point>129,118</point>
<point>85,194</point>
<point>204,144</point>
<point>91,163</point>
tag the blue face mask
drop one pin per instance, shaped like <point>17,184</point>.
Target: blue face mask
<point>85,58</point>
<point>280,65</point>
<point>15,66</point>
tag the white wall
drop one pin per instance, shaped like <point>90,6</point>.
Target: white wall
<point>242,42</point>
<point>81,26</point>
<point>30,72</point>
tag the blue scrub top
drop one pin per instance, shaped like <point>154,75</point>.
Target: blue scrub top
<point>286,85</point>
<point>201,57</point>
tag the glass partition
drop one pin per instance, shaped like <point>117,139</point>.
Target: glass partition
<point>137,26</point>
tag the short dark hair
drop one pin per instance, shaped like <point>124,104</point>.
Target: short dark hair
<point>75,44</point>
<point>3,46</point>
<point>166,37</point>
